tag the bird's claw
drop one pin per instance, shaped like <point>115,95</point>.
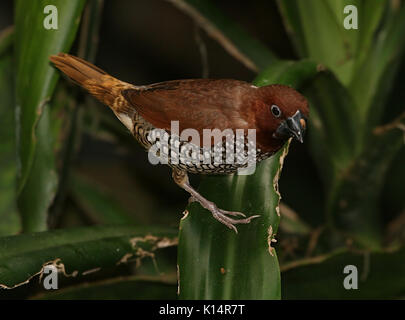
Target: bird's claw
<point>231,213</point>
<point>222,216</point>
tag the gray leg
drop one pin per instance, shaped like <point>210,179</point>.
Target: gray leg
<point>181,178</point>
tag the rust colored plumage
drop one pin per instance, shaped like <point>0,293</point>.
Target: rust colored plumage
<point>275,112</point>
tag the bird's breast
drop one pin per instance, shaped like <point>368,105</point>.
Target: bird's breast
<point>226,156</point>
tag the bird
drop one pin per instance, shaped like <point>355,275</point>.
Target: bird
<point>158,114</point>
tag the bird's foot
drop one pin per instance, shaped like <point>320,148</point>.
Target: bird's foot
<point>222,216</point>
<point>181,178</point>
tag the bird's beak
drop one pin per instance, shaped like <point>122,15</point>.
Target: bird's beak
<point>292,127</point>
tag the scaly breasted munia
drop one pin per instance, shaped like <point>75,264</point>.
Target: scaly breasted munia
<point>274,112</point>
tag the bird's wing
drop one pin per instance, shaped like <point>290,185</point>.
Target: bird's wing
<point>198,104</point>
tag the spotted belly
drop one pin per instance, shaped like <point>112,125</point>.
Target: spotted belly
<point>212,168</point>
<point>171,150</point>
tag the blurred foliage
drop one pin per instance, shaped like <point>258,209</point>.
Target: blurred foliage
<point>35,82</point>
<point>77,192</point>
<point>10,220</point>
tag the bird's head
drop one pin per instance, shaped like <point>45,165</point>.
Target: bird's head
<point>281,113</point>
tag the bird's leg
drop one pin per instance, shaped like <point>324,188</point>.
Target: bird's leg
<point>181,178</point>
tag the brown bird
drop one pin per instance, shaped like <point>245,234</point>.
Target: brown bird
<point>273,113</point>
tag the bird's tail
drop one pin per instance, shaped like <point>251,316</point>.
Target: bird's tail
<point>100,84</point>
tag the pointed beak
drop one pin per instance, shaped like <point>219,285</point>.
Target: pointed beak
<point>293,127</point>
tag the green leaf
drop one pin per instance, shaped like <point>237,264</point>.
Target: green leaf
<point>291,73</point>
<point>380,276</point>
<point>370,18</point>
<point>40,188</point>
<point>9,216</point>
<point>230,35</point>
<point>216,263</point>
<point>35,82</point>
<point>77,250</point>
<point>35,77</point>
<point>374,75</point>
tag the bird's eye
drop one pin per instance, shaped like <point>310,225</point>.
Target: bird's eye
<point>275,110</point>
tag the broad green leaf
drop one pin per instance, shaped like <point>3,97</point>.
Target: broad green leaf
<point>36,78</point>
<point>291,73</point>
<point>380,275</point>
<point>370,18</point>
<point>39,192</point>
<point>40,188</point>
<point>370,13</point>
<point>229,34</point>
<point>77,250</point>
<point>9,216</point>
<point>216,263</point>
<point>35,81</point>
